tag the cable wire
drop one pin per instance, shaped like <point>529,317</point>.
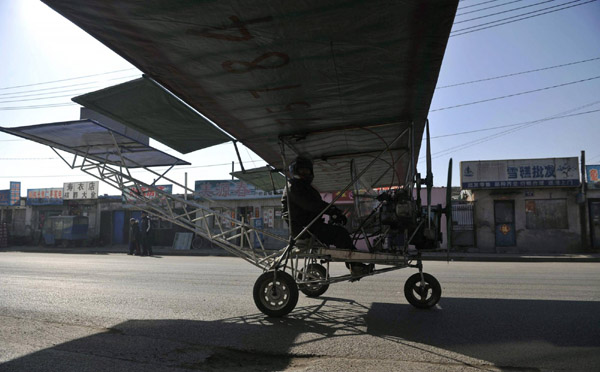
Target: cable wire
<point>518,73</point>
<point>507,11</point>
<point>501,134</point>
<point>489,7</point>
<point>68,79</point>
<point>515,94</point>
<point>458,33</point>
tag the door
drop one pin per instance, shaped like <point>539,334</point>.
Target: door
<point>595,222</point>
<point>118,227</point>
<point>504,217</point>
<point>105,227</point>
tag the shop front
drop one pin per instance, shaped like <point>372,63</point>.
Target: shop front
<point>525,205</point>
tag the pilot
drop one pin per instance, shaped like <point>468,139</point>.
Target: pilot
<point>306,204</point>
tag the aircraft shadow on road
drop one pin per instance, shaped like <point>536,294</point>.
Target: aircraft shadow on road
<point>255,342</point>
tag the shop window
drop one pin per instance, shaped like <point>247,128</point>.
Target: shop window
<point>547,214</point>
<point>272,218</point>
<point>278,219</point>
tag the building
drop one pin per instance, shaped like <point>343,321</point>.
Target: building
<point>528,206</point>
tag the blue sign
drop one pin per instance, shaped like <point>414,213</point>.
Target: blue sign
<point>230,190</point>
<point>4,197</point>
<point>52,196</point>
<point>520,173</point>
<point>593,176</point>
<point>11,196</point>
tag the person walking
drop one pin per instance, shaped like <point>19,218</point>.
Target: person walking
<point>146,235</point>
<point>134,237</point>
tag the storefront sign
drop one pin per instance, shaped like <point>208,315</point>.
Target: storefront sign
<point>133,194</point>
<point>226,189</point>
<point>51,196</point>
<point>593,176</point>
<point>80,190</point>
<point>520,173</point>
<point>12,195</point>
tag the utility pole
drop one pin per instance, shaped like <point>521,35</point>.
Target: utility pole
<point>583,210</point>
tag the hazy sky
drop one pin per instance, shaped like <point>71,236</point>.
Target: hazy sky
<point>554,112</point>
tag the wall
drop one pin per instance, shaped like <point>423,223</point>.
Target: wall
<point>528,240</point>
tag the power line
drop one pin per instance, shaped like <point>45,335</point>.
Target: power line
<point>518,73</point>
<point>51,105</point>
<point>471,6</point>
<point>459,33</point>
<point>520,126</point>
<point>16,94</point>
<point>61,80</point>
<point>489,7</point>
<point>37,99</point>
<point>514,95</point>
<point>507,126</point>
<point>512,17</point>
<point>507,11</point>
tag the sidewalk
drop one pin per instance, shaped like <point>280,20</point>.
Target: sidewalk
<point>427,256</point>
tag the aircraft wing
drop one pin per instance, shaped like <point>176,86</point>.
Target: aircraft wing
<point>337,80</point>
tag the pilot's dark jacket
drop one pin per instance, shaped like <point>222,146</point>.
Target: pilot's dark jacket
<point>305,205</point>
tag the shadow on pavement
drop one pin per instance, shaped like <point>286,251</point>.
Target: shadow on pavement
<point>545,334</point>
<point>508,333</point>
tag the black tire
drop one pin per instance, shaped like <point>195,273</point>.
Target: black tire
<point>275,298</point>
<point>315,271</point>
<point>422,297</point>
<point>201,243</point>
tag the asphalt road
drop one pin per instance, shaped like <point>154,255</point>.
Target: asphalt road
<point>63,312</point>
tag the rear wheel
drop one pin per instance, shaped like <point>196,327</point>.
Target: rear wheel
<point>275,293</point>
<point>422,294</point>
<point>313,272</point>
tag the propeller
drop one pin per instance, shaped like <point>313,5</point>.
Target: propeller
<point>448,209</point>
<point>429,176</point>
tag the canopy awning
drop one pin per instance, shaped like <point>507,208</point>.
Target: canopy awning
<point>88,138</point>
<point>146,107</point>
<point>264,178</point>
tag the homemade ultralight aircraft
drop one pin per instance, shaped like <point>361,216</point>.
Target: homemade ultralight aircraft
<point>348,83</point>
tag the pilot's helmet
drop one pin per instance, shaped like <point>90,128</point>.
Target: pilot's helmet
<point>302,168</point>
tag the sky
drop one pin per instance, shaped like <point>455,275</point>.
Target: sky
<point>520,79</point>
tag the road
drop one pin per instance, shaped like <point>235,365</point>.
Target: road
<point>116,312</point>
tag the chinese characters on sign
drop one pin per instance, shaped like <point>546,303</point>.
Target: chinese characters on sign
<point>11,196</point>
<point>134,196</point>
<point>80,190</point>
<point>553,172</point>
<point>51,196</point>
<point>226,189</point>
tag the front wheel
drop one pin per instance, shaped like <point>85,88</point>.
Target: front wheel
<point>275,293</point>
<point>313,272</point>
<point>422,294</point>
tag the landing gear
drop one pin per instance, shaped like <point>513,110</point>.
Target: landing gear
<point>314,272</point>
<point>422,290</point>
<point>275,293</point>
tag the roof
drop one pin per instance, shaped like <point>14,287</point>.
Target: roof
<point>264,178</point>
<point>88,138</point>
<point>336,78</point>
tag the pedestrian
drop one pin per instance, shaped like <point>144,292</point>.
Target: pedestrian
<point>134,237</point>
<point>146,235</point>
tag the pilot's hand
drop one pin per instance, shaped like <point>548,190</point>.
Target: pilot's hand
<point>339,219</point>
